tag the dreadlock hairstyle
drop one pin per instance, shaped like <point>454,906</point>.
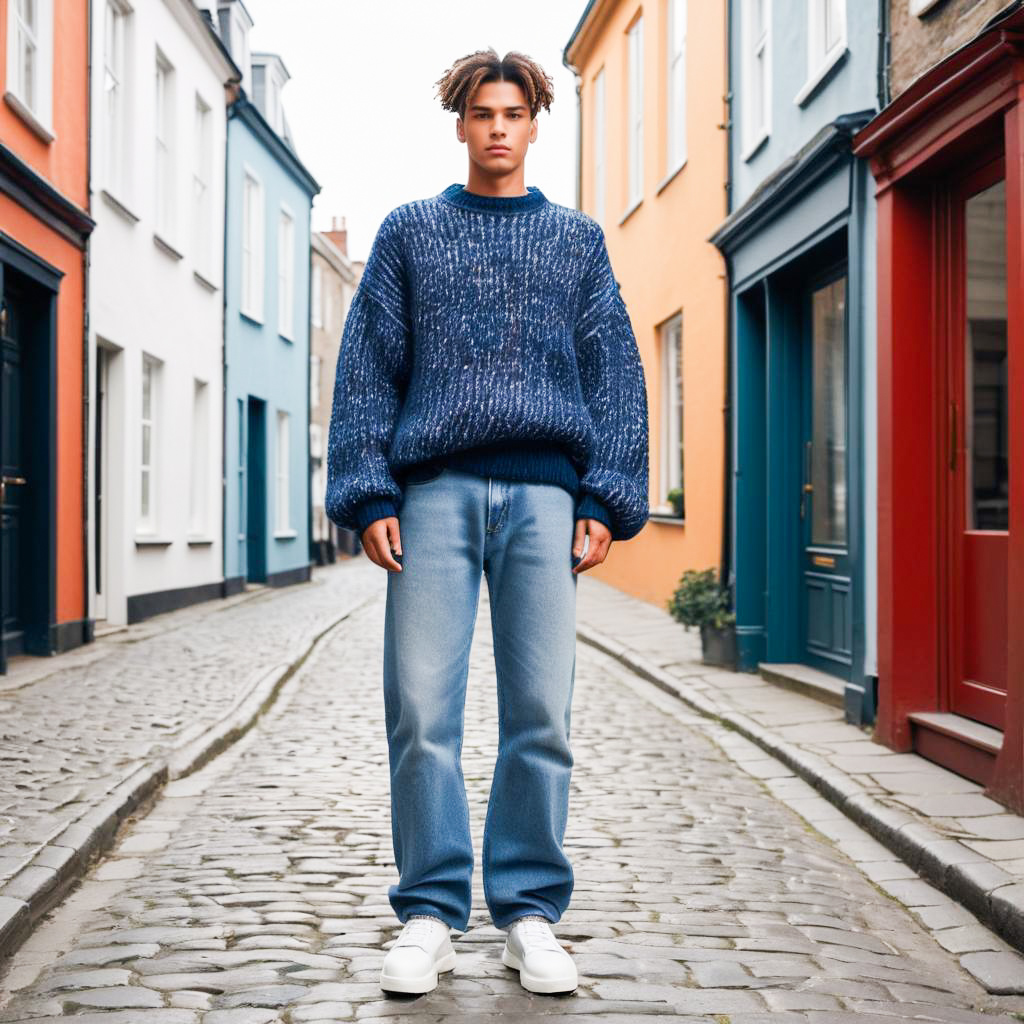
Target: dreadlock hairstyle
<point>458,84</point>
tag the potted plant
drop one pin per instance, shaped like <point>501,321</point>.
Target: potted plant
<point>700,600</point>
<point>675,498</point>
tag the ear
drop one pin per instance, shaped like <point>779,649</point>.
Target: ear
<point>533,130</point>
<point>459,129</point>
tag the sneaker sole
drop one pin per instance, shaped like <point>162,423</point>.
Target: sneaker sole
<point>424,983</point>
<point>547,986</point>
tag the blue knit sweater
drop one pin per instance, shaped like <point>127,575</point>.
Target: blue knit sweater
<point>488,333</point>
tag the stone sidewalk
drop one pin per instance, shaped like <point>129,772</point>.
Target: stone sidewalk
<point>937,823</point>
<point>86,736</point>
<point>255,890</point>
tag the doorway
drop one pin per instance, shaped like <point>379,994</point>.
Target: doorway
<point>256,492</point>
<point>976,467</point>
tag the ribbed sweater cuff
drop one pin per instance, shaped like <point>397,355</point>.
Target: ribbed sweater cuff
<point>373,509</point>
<point>592,508</point>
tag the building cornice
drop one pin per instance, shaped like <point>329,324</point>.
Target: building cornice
<point>333,255</point>
<point>247,112</point>
<point>205,38</point>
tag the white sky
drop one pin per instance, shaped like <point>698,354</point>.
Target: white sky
<point>362,106</point>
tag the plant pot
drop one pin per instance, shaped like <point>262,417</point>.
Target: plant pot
<point>718,645</point>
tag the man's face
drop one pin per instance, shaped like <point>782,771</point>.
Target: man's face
<point>497,128</point>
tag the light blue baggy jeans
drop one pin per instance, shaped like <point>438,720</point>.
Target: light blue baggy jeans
<point>456,527</point>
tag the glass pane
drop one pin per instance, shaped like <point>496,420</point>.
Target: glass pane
<point>986,395</point>
<point>828,430</point>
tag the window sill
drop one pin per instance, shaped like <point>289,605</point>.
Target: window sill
<point>821,76</point>
<point>119,207</point>
<point>630,210</point>
<point>922,7</point>
<point>668,177</point>
<point>33,122</point>
<point>149,540</point>
<point>253,318</point>
<point>164,246</point>
<point>667,518</point>
<point>204,281</point>
<point>286,337</point>
<point>285,534</point>
<point>197,541</point>
<point>755,146</point>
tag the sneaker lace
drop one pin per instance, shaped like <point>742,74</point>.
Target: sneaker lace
<point>415,930</point>
<point>539,934</point>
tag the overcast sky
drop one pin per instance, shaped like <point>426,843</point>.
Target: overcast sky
<point>362,106</point>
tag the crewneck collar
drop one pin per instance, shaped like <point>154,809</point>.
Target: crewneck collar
<point>457,195</point>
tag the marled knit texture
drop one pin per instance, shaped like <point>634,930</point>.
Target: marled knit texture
<point>484,319</point>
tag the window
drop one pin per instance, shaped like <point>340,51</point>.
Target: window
<point>163,176</point>
<point>316,441</point>
<point>317,298</point>
<point>30,61</point>
<point>200,450</point>
<point>676,99</point>
<point>114,110</point>
<point>252,247</point>
<point>202,172</point>
<point>756,73</point>
<point>922,7</point>
<point>826,41</point>
<point>286,274</point>
<point>636,112</point>
<point>672,416</point>
<point>314,381</point>
<point>149,439</point>
<point>600,146</point>
<point>282,512</point>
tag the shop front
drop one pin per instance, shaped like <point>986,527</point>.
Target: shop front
<point>948,161</point>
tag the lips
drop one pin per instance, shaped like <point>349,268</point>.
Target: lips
<point>498,149</point>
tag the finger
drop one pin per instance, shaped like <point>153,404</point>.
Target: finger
<point>389,541</point>
<point>578,535</point>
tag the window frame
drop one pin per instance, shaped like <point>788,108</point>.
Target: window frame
<point>675,79</point>
<point>316,298</point>
<point>756,52</point>
<point>672,418</point>
<point>202,179</point>
<point>286,272</point>
<point>821,58</point>
<point>164,152</point>
<point>253,242</point>
<point>282,494</point>
<point>147,517</point>
<point>635,113</point>
<point>600,153</point>
<point>34,106</point>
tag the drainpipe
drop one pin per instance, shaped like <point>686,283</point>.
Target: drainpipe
<point>883,54</point>
<point>725,568</point>
<point>88,621</point>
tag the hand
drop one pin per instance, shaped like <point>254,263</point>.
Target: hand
<point>600,542</point>
<point>379,539</point>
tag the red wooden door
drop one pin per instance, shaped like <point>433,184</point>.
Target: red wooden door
<point>977,493</point>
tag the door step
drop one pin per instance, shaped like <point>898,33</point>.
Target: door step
<point>803,679</point>
<point>960,744</point>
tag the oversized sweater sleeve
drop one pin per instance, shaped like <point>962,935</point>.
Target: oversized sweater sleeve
<point>615,394</point>
<point>371,375</point>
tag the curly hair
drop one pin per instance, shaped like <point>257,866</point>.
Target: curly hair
<point>458,84</point>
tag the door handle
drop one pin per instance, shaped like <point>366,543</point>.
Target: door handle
<point>5,480</point>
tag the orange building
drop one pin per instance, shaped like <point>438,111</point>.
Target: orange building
<point>44,228</point>
<point>652,172</point>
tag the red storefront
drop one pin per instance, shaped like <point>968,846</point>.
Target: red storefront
<point>948,160</point>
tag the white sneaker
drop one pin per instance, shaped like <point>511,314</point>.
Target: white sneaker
<point>543,965</point>
<point>423,950</point>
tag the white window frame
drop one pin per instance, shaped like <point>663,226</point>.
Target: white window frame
<point>286,273</point>
<point>317,297</point>
<point>315,376</point>
<point>253,245</point>
<point>635,113</point>
<point>198,493</point>
<point>600,145</point>
<point>675,81</point>
<point>919,8</point>
<point>29,88</point>
<point>671,426</point>
<point>822,57</point>
<point>164,174</point>
<point>148,420</point>
<point>756,56</point>
<point>202,179</point>
<point>115,96</point>
<point>282,493</point>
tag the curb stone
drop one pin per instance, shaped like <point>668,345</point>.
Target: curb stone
<point>63,860</point>
<point>995,897</point>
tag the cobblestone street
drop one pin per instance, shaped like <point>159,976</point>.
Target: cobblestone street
<point>254,891</point>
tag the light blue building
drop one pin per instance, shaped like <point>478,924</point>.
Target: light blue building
<point>799,243</point>
<point>267,327</point>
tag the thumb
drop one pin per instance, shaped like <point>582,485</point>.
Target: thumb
<point>581,532</point>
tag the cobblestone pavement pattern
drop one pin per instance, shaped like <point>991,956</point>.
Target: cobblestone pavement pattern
<point>71,737</point>
<point>254,892</point>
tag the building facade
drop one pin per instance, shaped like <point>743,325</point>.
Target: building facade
<point>947,155</point>
<point>799,241</point>
<point>266,328</point>
<point>334,283</point>
<point>156,300</point>
<point>44,232</point>
<point>652,168</point>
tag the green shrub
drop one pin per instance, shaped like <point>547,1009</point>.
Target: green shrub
<point>700,599</point>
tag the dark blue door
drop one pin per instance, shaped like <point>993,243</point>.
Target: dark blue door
<point>256,492</point>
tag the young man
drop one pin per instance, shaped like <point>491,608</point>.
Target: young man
<point>489,418</point>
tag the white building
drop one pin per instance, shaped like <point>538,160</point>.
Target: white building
<point>156,308</point>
